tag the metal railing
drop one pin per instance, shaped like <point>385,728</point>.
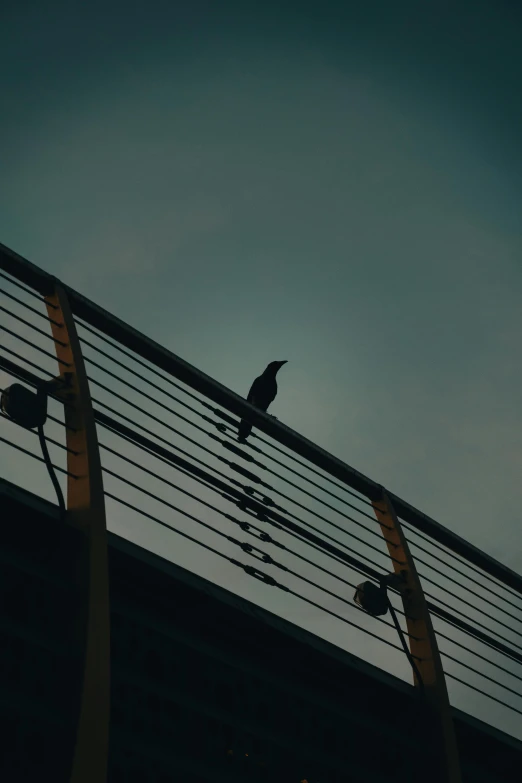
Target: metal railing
<point>278,510</point>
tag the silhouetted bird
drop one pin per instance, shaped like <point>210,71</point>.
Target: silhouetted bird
<point>262,393</point>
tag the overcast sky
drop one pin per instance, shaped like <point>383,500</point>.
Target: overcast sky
<point>339,188</point>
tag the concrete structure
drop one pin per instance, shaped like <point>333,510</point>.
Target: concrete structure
<point>205,686</point>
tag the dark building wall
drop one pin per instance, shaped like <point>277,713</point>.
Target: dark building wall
<point>205,686</point>
<point>230,682</point>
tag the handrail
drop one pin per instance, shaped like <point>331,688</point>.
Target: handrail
<point>118,330</point>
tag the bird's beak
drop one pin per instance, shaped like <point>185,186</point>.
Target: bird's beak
<point>281,363</point>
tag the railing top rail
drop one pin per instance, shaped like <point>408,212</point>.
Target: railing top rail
<point>39,280</point>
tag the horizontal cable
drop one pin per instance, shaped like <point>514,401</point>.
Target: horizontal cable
<point>489,696</point>
<point>32,326</point>
<point>154,451</point>
<point>225,557</point>
<point>166,481</point>
<point>36,347</point>
<point>459,560</point>
<point>34,432</point>
<point>473,632</point>
<point>325,477</point>
<point>22,287</point>
<point>214,508</point>
<point>28,361</point>
<point>169,461</point>
<point>198,413</point>
<point>209,486</point>
<point>232,428</point>
<point>28,307</point>
<point>478,655</point>
<point>476,622</point>
<point>481,674</point>
<point>154,418</point>
<point>309,494</point>
<point>35,456</point>
<point>309,481</point>
<point>146,413</point>
<point>175,413</point>
<point>300,505</point>
<point>150,369</point>
<point>62,423</point>
<point>146,380</point>
<point>116,431</point>
<point>441,561</point>
<point>333,557</point>
<point>466,576</point>
<point>472,606</point>
<point>165,524</point>
<point>270,561</point>
<point>168,379</point>
<point>362,572</point>
<point>469,590</point>
<point>136,359</point>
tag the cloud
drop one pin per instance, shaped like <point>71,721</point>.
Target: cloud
<point>298,208</point>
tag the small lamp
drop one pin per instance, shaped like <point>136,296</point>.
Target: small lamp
<point>25,407</point>
<point>372,598</point>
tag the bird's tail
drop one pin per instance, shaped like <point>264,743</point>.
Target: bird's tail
<point>244,430</point>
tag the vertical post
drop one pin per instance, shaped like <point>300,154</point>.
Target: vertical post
<point>86,512</point>
<point>422,639</point>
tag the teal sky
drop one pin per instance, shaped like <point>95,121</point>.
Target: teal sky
<point>336,184</point>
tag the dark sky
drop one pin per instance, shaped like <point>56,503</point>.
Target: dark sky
<point>336,184</point>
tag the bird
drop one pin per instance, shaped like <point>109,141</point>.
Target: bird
<point>262,392</point>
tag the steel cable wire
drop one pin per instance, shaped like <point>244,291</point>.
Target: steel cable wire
<point>162,459</point>
<point>476,622</point>
<point>488,695</point>
<point>210,407</point>
<point>46,437</point>
<point>238,451</point>
<point>445,619</point>
<point>196,541</point>
<point>27,291</point>
<point>416,532</point>
<point>453,641</point>
<point>481,674</point>
<point>214,508</point>
<point>56,467</point>
<point>478,655</point>
<point>476,608</point>
<point>442,602</point>
<point>32,326</point>
<point>267,486</point>
<point>287,512</point>
<point>168,379</point>
<point>28,361</point>
<point>227,516</point>
<point>466,576</point>
<point>230,464</point>
<point>451,554</point>
<point>35,456</point>
<point>45,316</point>
<point>476,635</point>
<point>36,347</point>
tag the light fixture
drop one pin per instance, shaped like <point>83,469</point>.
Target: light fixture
<point>373,598</point>
<point>29,408</point>
<point>25,407</point>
